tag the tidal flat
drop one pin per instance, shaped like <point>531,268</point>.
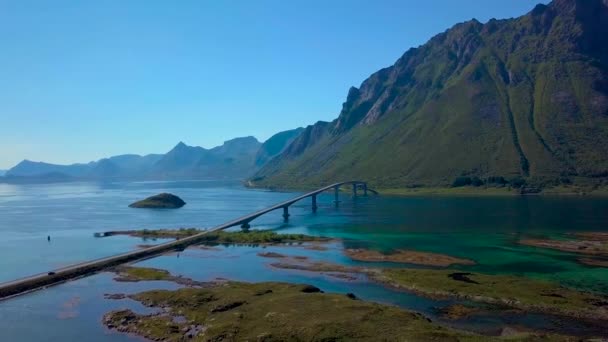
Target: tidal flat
<point>510,298</point>
<point>237,311</point>
<point>484,230</point>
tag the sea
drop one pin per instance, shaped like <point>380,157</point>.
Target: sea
<point>485,229</point>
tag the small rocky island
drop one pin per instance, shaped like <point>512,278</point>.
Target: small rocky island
<point>160,201</point>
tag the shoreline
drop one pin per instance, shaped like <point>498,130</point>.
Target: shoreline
<point>221,300</point>
<point>389,277</point>
<point>482,191</point>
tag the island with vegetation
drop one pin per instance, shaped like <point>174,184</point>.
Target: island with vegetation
<point>271,311</point>
<point>220,237</point>
<point>408,257</point>
<point>593,245</point>
<point>160,201</point>
<point>528,295</point>
<point>475,293</point>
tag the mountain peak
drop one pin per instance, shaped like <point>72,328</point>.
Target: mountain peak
<point>574,6</point>
<point>247,139</point>
<point>460,105</point>
<point>180,145</point>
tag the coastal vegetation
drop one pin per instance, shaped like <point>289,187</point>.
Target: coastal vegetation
<point>220,237</point>
<point>128,273</point>
<point>511,291</point>
<point>258,237</point>
<point>154,233</point>
<point>594,245</point>
<point>501,290</point>
<point>409,257</point>
<point>135,274</point>
<point>237,311</point>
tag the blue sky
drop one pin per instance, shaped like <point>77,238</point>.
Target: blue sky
<point>81,80</point>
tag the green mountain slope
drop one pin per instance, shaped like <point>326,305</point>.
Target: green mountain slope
<point>275,145</point>
<point>517,98</point>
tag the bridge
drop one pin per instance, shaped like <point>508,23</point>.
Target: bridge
<point>35,282</point>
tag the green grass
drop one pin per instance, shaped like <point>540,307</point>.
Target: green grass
<point>512,98</point>
<point>165,233</point>
<point>226,237</point>
<point>465,190</point>
<point>512,291</point>
<point>282,312</point>
<point>258,237</point>
<point>142,273</point>
<point>503,290</point>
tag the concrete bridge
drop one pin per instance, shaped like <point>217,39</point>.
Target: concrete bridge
<point>24,285</point>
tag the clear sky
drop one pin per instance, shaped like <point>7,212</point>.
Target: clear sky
<point>81,80</point>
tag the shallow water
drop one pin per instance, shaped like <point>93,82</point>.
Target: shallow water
<point>484,229</point>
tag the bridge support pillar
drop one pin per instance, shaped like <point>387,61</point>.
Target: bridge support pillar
<point>245,226</point>
<point>286,213</point>
<point>355,190</point>
<point>364,189</point>
<point>336,193</point>
<point>314,203</point>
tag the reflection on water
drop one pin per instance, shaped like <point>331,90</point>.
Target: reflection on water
<point>484,229</point>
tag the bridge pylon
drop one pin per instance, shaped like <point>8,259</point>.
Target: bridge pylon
<point>336,195</point>
<point>286,213</point>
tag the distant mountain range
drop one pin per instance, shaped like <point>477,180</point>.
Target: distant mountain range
<point>235,159</point>
<point>515,100</point>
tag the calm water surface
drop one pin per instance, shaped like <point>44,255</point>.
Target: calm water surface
<point>481,228</point>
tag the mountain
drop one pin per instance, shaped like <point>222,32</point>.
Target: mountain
<point>275,145</point>
<point>515,99</point>
<point>50,177</point>
<point>233,159</point>
<point>28,168</point>
<point>123,166</point>
<point>180,160</point>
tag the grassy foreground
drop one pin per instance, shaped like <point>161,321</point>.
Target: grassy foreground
<point>280,312</point>
<point>517,292</point>
<point>509,291</point>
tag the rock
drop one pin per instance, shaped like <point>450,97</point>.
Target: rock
<point>271,255</point>
<point>508,331</point>
<point>351,295</point>
<point>114,296</point>
<point>160,201</point>
<point>311,289</point>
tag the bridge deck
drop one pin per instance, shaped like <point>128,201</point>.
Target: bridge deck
<point>34,282</point>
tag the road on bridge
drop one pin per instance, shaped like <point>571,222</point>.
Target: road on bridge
<point>24,285</point>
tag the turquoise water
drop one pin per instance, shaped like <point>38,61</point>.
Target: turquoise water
<point>484,229</point>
